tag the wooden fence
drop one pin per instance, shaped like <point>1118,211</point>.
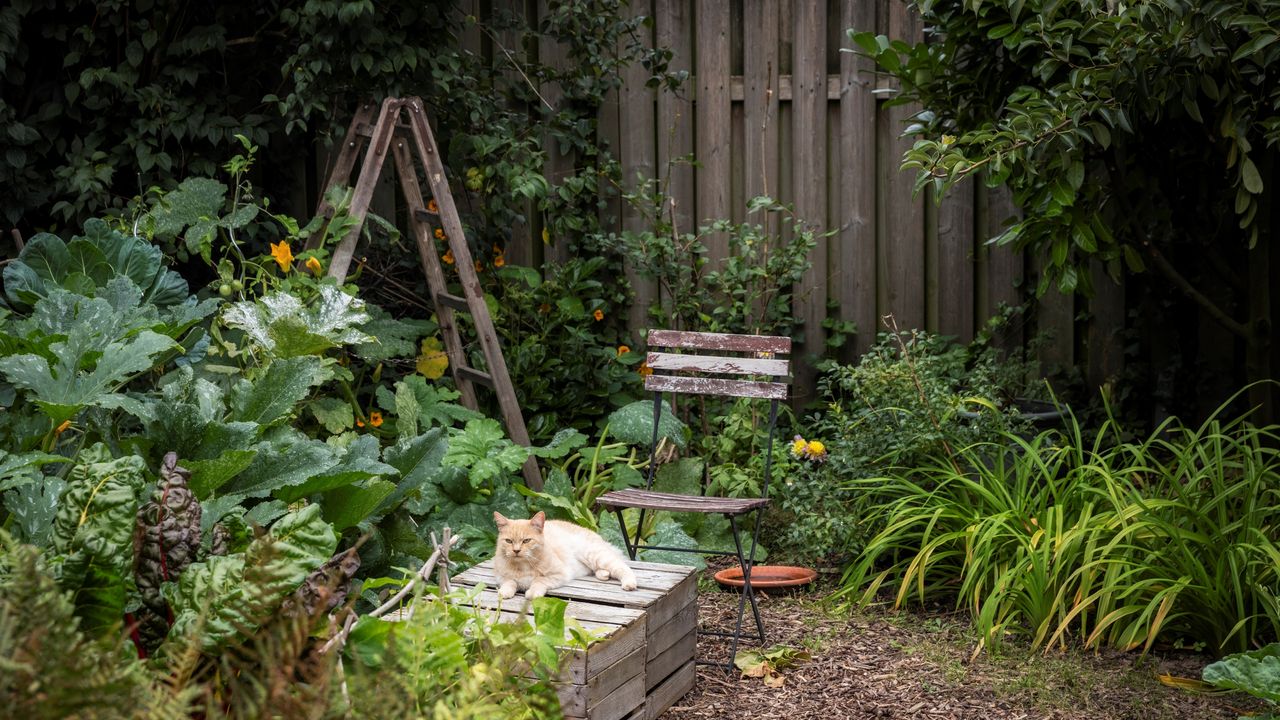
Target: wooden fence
<point>772,106</point>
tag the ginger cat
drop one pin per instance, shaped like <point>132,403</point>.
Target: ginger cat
<point>537,554</point>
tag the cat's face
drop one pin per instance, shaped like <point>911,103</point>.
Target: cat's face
<point>520,539</point>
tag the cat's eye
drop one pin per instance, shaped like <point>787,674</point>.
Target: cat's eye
<point>525,541</point>
<point>507,540</point>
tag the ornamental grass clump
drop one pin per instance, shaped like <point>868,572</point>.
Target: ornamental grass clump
<point>1059,538</point>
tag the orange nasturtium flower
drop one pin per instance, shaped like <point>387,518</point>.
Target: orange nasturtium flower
<point>283,254</point>
<point>432,207</point>
<point>314,266</point>
<point>479,266</point>
<point>645,370</point>
<point>440,234</point>
<point>447,257</point>
<point>623,350</point>
<point>598,315</point>
<point>499,261</point>
<point>375,418</point>
<point>359,422</point>
<point>62,428</point>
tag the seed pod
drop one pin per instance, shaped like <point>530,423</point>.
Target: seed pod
<point>166,534</point>
<point>325,588</point>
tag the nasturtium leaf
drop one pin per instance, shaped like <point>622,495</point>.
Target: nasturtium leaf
<point>334,414</point>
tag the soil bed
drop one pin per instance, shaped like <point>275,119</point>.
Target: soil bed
<point>884,664</point>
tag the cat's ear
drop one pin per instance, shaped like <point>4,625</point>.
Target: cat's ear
<point>538,520</point>
<point>500,519</point>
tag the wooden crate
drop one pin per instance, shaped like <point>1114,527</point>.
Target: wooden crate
<point>610,683</point>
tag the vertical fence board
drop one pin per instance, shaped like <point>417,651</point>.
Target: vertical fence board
<point>856,274</point>
<point>637,151</point>
<point>904,224</point>
<point>558,164</point>
<point>760,98</point>
<point>673,21</point>
<point>1004,266</point>
<point>1055,324</point>
<point>712,114</point>
<point>955,262</point>
<point>1105,348</point>
<point>809,103</point>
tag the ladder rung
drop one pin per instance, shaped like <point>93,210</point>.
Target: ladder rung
<point>452,301</point>
<point>475,376</point>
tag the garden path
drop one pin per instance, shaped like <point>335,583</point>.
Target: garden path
<point>880,664</point>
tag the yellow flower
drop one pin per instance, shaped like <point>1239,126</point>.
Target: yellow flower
<point>948,140</point>
<point>314,266</point>
<point>546,236</point>
<point>375,418</point>
<point>283,255</point>
<point>432,207</point>
<point>799,447</point>
<point>62,428</point>
<point>447,257</point>
<point>623,350</point>
<point>499,261</point>
<point>440,234</point>
<point>817,449</point>
<point>598,315</point>
<point>645,370</point>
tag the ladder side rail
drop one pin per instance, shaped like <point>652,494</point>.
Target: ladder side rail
<point>431,267</point>
<point>510,406</point>
<point>370,169</point>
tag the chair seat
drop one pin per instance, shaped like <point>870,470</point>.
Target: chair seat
<point>650,500</point>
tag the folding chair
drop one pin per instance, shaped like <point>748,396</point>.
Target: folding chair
<point>684,371</point>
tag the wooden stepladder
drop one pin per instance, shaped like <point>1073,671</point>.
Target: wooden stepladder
<point>389,134</point>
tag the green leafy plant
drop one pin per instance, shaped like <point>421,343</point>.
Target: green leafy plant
<point>1107,541</point>
<point>1256,672</point>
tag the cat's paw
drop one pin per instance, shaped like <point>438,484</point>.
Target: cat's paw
<point>535,591</point>
<point>629,584</point>
<point>602,574</point>
<point>507,590</point>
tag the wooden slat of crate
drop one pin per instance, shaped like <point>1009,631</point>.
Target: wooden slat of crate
<point>679,684</point>
<point>670,660</point>
<point>628,699</point>
<point>663,590</point>
<point>577,699</point>
<point>614,637</point>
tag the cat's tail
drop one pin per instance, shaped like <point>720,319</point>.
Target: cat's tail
<point>611,564</point>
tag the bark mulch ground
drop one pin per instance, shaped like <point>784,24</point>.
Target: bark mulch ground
<point>881,664</point>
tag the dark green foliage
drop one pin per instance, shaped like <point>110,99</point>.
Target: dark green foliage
<point>52,669</point>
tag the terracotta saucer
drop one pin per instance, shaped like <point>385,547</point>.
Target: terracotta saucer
<point>768,576</point>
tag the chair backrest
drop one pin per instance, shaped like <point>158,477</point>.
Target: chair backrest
<point>706,354</point>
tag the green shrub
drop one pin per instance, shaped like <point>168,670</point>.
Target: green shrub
<point>1105,541</point>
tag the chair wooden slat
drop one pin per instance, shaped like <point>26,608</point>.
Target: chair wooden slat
<point>717,341</point>
<point>650,500</point>
<point>716,386</point>
<point>718,364</point>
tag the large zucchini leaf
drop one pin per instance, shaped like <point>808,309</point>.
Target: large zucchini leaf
<point>93,352</point>
<point>1256,672</point>
<point>88,263</point>
<point>633,424</point>
<point>284,327</point>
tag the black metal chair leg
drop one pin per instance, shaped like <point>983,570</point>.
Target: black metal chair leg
<point>748,595</point>
<point>632,548</point>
